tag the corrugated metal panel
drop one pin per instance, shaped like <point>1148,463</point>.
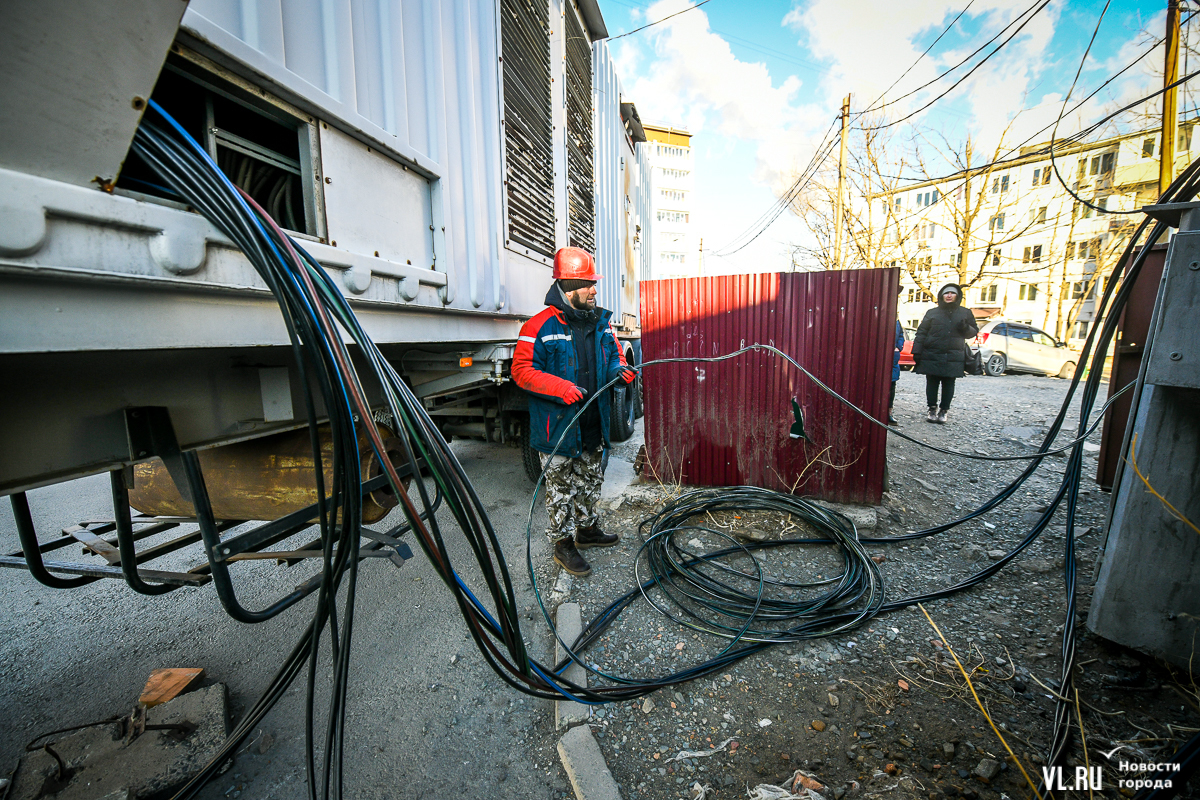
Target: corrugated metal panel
<point>622,195</point>
<point>644,230</point>
<point>726,423</point>
<point>417,79</point>
<point>581,190</point>
<point>528,130</point>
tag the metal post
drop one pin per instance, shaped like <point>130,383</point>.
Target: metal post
<point>839,209</point>
<point>1170,115</point>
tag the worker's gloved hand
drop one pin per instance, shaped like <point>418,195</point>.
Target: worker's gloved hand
<point>628,375</point>
<point>573,395</point>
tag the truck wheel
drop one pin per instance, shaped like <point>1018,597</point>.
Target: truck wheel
<point>639,407</point>
<point>531,459</point>
<point>620,425</point>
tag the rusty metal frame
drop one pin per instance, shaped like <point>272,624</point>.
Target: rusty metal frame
<point>151,434</point>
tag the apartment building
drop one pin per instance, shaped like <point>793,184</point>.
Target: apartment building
<point>1024,247</point>
<point>675,252</point>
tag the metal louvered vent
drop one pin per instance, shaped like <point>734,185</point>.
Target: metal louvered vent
<point>528,152</point>
<point>581,190</point>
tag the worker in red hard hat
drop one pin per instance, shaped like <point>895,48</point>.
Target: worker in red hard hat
<point>564,355</point>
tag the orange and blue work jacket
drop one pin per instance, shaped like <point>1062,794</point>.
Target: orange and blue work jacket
<point>545,364</point>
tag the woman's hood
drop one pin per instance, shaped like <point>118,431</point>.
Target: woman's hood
<point>957,300</point>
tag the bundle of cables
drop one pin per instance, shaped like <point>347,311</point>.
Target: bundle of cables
<point>317,315</point>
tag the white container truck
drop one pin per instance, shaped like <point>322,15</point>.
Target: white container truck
<point>431,154</point>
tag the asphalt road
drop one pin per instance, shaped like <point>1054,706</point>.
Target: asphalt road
<point>427,717</point>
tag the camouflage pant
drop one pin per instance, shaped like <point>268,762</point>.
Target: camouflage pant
<point>572,492</point>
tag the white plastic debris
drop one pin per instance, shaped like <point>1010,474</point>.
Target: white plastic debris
<point>764,722</point>
<point>701,753</point>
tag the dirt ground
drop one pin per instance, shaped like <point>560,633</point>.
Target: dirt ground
<point>883,710</point>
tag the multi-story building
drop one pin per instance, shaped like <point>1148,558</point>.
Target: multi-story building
<point>674,252</point>
<point>1022,246</point>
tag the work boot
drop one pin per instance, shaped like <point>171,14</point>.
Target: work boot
<point>567,557</point>
<point>891,418</point>
<point>941,415</point>
<point>592,536</point>
<point>932,415</point>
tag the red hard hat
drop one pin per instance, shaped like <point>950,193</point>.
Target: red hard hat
<point>573,263</point>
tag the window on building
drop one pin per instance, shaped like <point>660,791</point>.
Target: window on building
<point>1148,147</point>
<point>1083,162</point>
<point>672,194</point>
<point>672,258</point>
<point>919,296</point>
<point>996,258</point>
<point>1081,211</point>
<point>672,216</point>
<point>1185,139</point>
<point>1040,216</point>
<point>1033,255</point>
<point>1041,176</point>
<point>1078,289</point>
<point>1081,329</point>
<point>996,223</point>
<point>988,294</point>
<point>1070,250</point>
<point>956,259</point>
<point>1046,173</point>
<point>1102,202</point>
<point>913,323</point>
<point>1103,163</point>
<point>1037,176</point>
<point>1000,184</point>
<point>1028,291</point>
<point>899,202</point>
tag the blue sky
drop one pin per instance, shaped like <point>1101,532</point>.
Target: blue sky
<point>759,83</point>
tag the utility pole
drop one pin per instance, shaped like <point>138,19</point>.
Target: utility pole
<point>1170,115</point>
<point>839,211</point>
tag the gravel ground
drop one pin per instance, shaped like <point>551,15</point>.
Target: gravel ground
<point>883,708</point>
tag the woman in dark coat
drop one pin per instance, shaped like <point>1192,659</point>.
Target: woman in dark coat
<point>938,348</point>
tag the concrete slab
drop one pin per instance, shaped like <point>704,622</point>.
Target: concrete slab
<point>586,767</point>
<point>617,478</point>
<point>569,622</point>
<point>865,518</point>
<point>100,763</point>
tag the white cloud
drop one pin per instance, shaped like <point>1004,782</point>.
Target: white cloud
<point>690,78</point>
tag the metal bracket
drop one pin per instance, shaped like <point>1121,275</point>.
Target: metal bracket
<point>1170,213</point>
<point>150,433</point>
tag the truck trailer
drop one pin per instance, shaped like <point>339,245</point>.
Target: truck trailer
<point>432,155</point>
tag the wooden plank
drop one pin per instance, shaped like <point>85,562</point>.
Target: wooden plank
<point>167,684</point>
<point>94,543</point>
<point>98,571</point>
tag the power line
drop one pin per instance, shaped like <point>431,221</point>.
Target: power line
<point>1041,6</point>
<point>664,19</point>
<point>769,216</point>
<point>911,66</point>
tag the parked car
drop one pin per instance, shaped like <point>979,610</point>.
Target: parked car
<point>1016,347</point>
<point>906,359</point>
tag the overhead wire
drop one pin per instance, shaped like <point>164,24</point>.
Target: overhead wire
<point>1037,8</point>
<point>768,217</point>
<point>658,22</point>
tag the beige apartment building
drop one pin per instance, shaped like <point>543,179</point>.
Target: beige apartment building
<point>1024,248</point>
<point>674,249</point>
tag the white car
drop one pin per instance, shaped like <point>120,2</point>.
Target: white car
<point>1016,347</point>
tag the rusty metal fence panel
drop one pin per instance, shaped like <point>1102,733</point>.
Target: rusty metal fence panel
<point>726,423</point>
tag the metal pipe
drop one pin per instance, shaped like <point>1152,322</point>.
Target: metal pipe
<point>32,553</point>
<point>262,479</point>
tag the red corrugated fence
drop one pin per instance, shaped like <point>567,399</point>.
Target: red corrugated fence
<point>726,423</point>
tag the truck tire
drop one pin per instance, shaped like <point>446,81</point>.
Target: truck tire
<point>639,407</point>
<point>620,423</point>
<point>531,459</point>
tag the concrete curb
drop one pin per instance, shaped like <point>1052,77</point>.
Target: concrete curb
<point>569,622</point>
<point>585,766</point>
